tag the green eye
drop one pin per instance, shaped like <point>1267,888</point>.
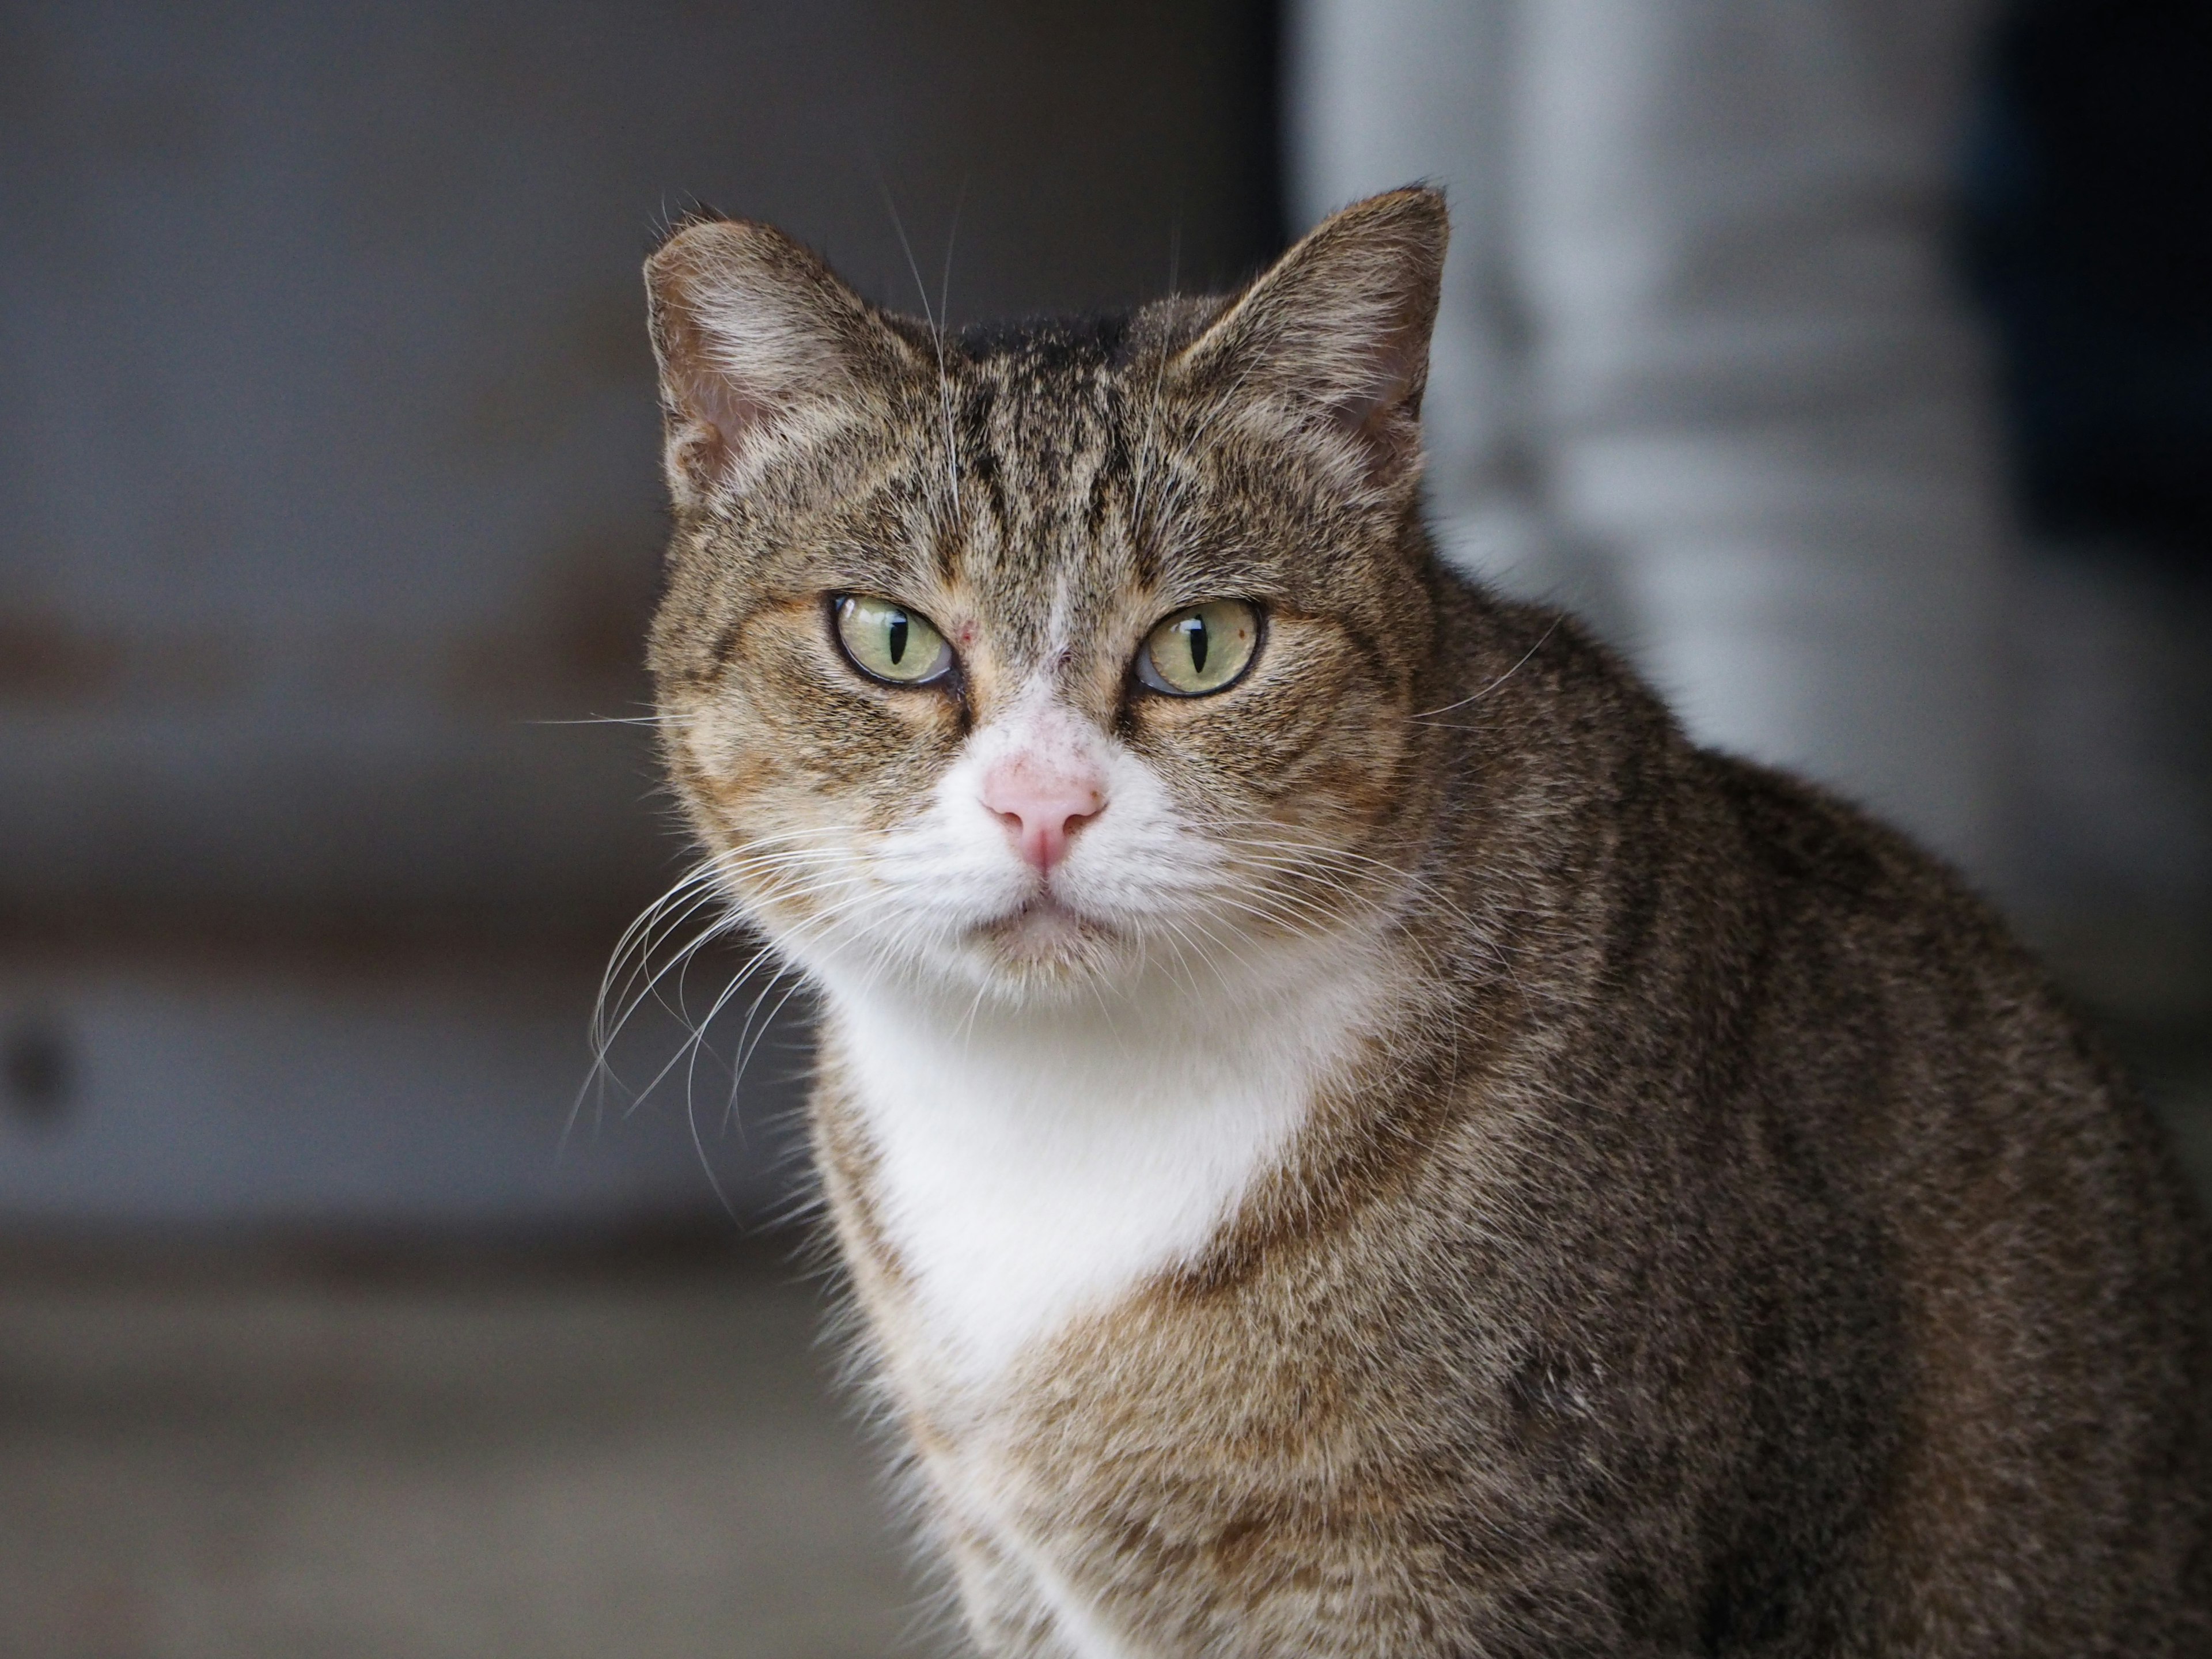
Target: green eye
<point>888,641</point>
<point>1204,648</point>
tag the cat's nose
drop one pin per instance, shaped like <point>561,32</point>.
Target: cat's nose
<point>1042,808</point>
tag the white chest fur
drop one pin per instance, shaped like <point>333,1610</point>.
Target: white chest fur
<point>1034,1164</point>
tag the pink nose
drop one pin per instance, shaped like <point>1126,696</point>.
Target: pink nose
<point>1042,809</point>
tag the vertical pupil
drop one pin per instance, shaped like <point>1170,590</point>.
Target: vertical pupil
<point>1194,631</point>
<point>897,637</point>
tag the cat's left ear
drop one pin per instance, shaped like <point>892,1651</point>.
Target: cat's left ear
<point>1334,339</point>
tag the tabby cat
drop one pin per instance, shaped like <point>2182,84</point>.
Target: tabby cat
<point>1350,1134</point>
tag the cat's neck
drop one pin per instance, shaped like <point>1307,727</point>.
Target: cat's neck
<point>1032,1164</point>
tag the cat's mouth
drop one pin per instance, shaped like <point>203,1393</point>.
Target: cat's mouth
<point>1047,929</point>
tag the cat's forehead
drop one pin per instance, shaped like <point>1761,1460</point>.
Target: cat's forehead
<point>1051,495</point>
<point>1030,430</point>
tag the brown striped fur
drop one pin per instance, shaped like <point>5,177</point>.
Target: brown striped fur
<point>1719,1240</point>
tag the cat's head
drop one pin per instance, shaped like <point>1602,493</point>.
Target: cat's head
<point>1037,659</point>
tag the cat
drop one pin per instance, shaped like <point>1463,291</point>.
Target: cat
<point>1349,1133</point>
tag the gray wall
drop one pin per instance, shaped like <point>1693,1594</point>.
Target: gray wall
<point>329,499</point>
<point>327,433</point>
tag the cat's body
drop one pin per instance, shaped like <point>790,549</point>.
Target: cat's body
<point>1418,1158</point>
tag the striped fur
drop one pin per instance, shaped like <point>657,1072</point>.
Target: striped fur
<point>1444,1166</point>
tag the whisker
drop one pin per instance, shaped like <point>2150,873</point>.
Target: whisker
<point>936,331</point>
<point>1479,695</point>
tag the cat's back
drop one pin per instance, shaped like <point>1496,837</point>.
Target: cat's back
<point>1857,1216</point>
<point>1950,1158</point>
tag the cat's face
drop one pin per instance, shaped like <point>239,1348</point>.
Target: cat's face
<point>1063,656</point>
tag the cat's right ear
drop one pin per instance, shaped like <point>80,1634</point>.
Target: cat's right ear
<point>761,349</point>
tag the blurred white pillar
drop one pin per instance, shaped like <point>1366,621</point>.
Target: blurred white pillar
<point>1699,370</point>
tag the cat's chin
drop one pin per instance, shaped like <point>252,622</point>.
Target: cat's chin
<point>1047,942</point>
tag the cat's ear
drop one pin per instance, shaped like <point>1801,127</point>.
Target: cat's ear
<point>760,347</point>
<point>1334,339</point>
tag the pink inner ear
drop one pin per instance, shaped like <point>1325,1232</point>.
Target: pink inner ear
<point>743,351</point>
<point>735,374</point>
<point>1384,419</point>
<point>1363,413</point>
<point>724,407</point>
<point>1392,358</point>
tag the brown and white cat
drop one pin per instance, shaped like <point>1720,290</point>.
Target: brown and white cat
<point>1351,1135</point>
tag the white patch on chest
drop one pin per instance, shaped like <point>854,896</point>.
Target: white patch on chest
<point>1032,1165</point>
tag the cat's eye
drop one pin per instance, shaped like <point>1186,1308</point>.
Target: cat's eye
<point>888,641</point>
<point>1206,647</point>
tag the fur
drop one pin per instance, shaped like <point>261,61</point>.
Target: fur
<point>1443,1166</point>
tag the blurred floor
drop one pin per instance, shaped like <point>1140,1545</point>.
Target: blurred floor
<point>205,1458</point>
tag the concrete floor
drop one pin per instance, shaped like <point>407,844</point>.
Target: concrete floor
<point>218,1461</point>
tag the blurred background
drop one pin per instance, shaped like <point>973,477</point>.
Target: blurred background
<point>342,1311</point>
